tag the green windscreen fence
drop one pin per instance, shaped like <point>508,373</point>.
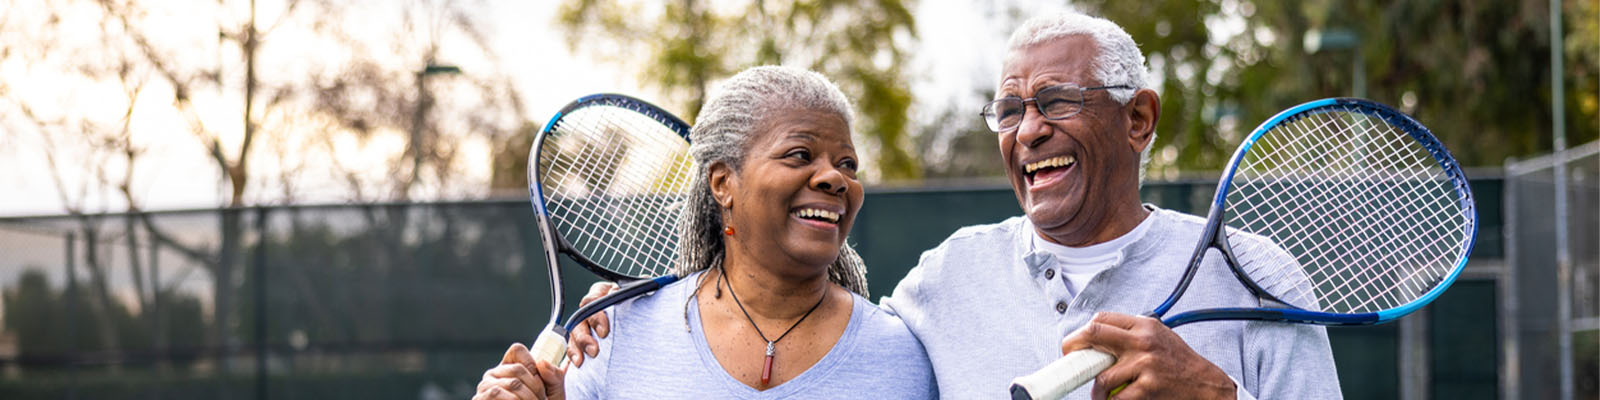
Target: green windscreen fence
<point>416,300</point>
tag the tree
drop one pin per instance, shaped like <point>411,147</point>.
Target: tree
<point>688,45</point>
<point>188,80</point>
<point>1476,72</point>
<point>232,83</point>
<point>957,144</point>
<point>104,139</point>
<point>368,97</point>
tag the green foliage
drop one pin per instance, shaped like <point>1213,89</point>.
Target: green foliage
<point>687,45</point>
<point>1476,72</point>
<point>957,144</point>
<point>1583,68</point>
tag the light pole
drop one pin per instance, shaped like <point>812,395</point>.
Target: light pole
<point>1558,120</point>
<point>1340,39</point>
<point>424,101</point>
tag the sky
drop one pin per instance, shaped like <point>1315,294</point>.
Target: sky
<point>957,54</point>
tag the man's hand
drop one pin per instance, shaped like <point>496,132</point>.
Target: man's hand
<point>520,377</point>
<point>1152,361</point>
<point>580,337</point>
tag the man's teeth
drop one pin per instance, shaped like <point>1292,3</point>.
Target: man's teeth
<point>1061,161</point>
<point>815,213</point>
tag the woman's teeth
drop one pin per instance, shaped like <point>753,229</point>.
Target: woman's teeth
<point>813,213</point>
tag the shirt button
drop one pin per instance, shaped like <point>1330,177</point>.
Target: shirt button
<point>1061,307</point>
<point>1049,273</point>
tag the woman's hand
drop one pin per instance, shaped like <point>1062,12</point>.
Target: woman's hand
<point>580,337</point>
<point>520,377</point>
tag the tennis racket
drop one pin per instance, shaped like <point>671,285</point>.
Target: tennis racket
<point>1334,212</point>
<point>607,175</point>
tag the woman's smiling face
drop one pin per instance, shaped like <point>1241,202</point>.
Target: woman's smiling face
<point>795,197</point>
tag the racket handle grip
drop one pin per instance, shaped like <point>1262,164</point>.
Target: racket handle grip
<point>1062,376</point>
<point>550,347</point>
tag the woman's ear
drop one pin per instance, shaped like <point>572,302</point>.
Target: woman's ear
<point>1143,112</point>
<point>723,183</point>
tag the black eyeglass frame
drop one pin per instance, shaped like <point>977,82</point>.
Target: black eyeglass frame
<point>993,121</point>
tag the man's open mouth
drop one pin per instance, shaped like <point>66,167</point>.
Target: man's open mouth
<point>1048,165</point>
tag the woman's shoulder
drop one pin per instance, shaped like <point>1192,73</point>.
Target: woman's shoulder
<point>883,331</point>
<point>655,308</point>
<point>885,357</point>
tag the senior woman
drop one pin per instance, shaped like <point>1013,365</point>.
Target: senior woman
<point>771,302</point>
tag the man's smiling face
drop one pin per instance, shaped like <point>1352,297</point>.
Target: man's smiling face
<point>1067,174</point>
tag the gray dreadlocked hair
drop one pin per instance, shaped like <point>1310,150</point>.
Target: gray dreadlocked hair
<point>730,118</point>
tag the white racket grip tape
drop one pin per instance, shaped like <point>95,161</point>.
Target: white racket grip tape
<point>550,347</point>
<point>1062,376</point>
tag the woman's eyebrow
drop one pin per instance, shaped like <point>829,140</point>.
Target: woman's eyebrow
<point>802,135</point>
<point>812,138</point>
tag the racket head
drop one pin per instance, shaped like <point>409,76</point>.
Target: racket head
<point>1345,210</point>
<point>607,176</point>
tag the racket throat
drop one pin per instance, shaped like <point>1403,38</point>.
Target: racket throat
<point>766,365</point>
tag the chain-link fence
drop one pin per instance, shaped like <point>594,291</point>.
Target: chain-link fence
<point>1553,324</point>
<point>416,300</point>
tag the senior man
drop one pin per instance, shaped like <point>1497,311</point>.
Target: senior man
<point>1075,120</point>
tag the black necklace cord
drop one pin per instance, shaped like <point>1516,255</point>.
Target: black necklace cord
<point>722,276</point>
<point>766,362</point>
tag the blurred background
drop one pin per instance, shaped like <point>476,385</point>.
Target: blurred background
<point>249,199</point>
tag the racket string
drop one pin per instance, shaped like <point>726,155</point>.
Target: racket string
<point>664,224</point>
<point>1416,253</point>
<point>615,179</point>
<point>1364,249</point>
<point>595,217</point>
<point>1368,245</point>
<point>1412,248</point>
<point>1297,228</point>
<point>1364,245</point>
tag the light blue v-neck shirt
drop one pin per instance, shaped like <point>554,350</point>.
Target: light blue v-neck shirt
<point>657,350</point>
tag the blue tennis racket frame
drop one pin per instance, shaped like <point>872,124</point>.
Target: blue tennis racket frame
<point>630,286</point>
<point>1213,235</point>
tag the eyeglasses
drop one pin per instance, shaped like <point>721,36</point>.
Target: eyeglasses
<point>1055,103</point>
